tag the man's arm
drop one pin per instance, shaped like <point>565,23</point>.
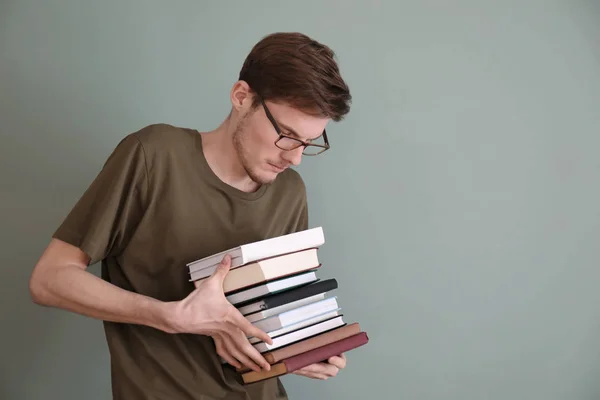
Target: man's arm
<point>60,279</point>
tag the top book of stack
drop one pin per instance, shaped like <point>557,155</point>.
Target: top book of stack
<point>260,250</point>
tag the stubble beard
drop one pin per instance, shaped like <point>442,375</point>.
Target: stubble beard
<point>239,137</point>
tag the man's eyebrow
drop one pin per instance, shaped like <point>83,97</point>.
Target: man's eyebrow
<point>287,128</point>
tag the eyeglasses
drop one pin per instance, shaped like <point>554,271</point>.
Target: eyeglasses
<point>288,143</point>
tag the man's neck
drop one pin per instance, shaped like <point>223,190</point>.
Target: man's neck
<point>223,159</point>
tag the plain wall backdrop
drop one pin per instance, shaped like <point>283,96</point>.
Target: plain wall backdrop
<point>460,199</point>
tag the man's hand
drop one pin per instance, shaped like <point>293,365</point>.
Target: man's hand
<point>206,311</point>
<point>323,371</point>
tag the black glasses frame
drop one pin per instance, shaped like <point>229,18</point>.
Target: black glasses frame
<point>318,148</point>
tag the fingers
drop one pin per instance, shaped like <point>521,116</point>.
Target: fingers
<point>251,351</point>
<point>249,329</point>
<point>239,345</point>
<point>240,348</point>
<point>224,352</point>
<point>239,354</point>
<point>321,369</point>
<point>338,361</point>
<point>312,375</point>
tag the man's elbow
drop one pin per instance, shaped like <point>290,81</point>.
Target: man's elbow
<point>38,290</point>
<point>58,257</point>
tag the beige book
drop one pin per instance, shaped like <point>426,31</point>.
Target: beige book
<point>268,269</point>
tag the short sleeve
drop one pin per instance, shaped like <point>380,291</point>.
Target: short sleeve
<point>302,223</point>
<point>303,219</point>
<point>109,211</point>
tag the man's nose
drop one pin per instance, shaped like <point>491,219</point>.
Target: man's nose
<point>294,157</point>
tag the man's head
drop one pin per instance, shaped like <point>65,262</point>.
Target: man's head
<point>289,88</point>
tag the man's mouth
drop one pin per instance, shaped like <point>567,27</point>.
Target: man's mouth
<point>276,167</point>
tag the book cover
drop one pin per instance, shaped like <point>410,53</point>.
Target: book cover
<point>311,343</point>
<point>302,360</point>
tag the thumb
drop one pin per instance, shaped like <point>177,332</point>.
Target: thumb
<point>222,269</point>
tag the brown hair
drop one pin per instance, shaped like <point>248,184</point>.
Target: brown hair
<point>295,69</point>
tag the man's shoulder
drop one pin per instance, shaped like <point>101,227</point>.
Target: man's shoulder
<point>163,136</point>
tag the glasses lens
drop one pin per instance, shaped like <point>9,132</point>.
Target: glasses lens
<point>313,150</point>
<point>317,149</point>
<point>287,143</point>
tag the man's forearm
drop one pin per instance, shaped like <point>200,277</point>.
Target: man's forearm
<point>74,289</point>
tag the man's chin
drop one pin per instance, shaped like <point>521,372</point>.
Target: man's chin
<point>264,177</point>
<point>267,180</point>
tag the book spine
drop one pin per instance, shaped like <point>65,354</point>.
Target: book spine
<point>324,352</point>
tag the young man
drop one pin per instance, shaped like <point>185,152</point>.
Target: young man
<point>169,195</point>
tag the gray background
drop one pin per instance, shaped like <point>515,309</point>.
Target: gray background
<point>460,198</point>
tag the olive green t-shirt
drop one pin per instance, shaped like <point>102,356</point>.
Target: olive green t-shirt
<point>155,206</point>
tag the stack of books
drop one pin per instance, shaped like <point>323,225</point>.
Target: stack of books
<point>274,284</point>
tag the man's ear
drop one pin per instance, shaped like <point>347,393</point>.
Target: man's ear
<point>241,96</point>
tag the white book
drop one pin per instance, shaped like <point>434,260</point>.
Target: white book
<point>271,287</point>
<point>299,325</point>
<point>257,316</point>
<point>297,315</point>
<point>300,334</point>
<point>240,255</point>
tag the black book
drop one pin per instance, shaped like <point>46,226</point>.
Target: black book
<point>302,294</point>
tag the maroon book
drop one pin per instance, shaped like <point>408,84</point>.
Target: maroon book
<point>302,360</point>
<point>324,352</point>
